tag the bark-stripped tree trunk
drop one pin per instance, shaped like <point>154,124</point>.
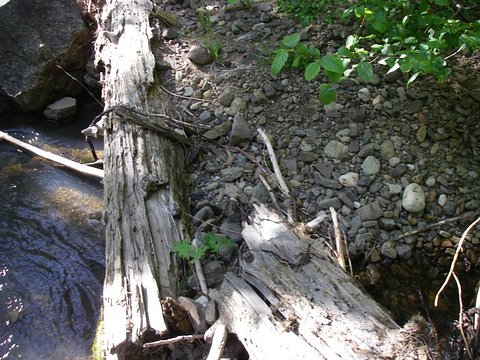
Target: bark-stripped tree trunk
<point>144,197</point>
<point>308,307</point>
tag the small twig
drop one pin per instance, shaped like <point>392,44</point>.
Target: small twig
<point>79,82</point>
<point>338,240</point>
<point>350,266</point>
<point>315,223</point>
<point>273,159</point>
<point>199,272</point>
<point>460,315</point>
<point>477,305</point>
<point>455,257</point>
<point>173,340</point>
<point>272,195</point>
<point>442,222</point>
<point>218,342</point>
<point>182,96</point>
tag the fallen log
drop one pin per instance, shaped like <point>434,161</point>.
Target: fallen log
<point>292,302</point>
<point>70,164</point>
<point>144,194</point>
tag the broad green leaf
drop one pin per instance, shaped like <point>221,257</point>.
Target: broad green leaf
<point>472,40</point>
<point>365,71</point>
<point>344,51</point>
<point>291,41</point>
<point>313,52</point>
<point>332,63</point>
<point>312,70</point>
<point>441,2</point>
<point>333,77</point>
<point>410,40</point>
<point>326,94</point>
<point>302,50</point>
<point>279,61</point>
<point>379,21</point>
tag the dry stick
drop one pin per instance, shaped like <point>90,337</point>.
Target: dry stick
<point>338,240</point>
<point>457,252</point>
<point>199,272</point>
<point>273,159</point>
<point>173,340</point>
<point>270,192</point>
<point>477,305</point>
<point>218,342</point>
<point>315,223</point>
<point>183,96</point>
<point>442,222</point>
<point>83,169</point>
<point>460,315</point>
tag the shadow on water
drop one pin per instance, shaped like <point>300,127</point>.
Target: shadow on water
<point>51,255</point>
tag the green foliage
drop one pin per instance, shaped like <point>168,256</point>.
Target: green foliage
<point>211,42</point>
<point>211,243</point>
<point>414,36</point>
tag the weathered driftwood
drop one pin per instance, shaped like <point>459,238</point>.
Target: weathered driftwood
<point>72,165</point>
<point>308,307</point>
<point>143,193</point>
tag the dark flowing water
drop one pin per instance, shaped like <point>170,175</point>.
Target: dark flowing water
<point>51,255</point>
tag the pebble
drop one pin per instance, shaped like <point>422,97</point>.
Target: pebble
<point>349,179</point>
<point>231,173</point>
<point>336,150</point>
<point>371,165</point>
<point>442,200</point>
<point>241,132</point>
<point>388,250</point>
<point>226,97</point>
<point>364,94</point>
<point>413,199</point>
<point>199,55</point>
<point>371,211</point>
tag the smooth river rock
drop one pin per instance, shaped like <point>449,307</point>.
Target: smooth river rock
<point>413,199</point>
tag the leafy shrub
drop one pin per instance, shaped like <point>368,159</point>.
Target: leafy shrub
<point>415,36</point>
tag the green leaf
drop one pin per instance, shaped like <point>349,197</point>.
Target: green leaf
<point>188,252</point>
<point>215,242</point>
<point>279,61</point>
<point>344,51</point>
<point>291,41</point>
<point>379,21</point>
<point>333,77</point>
<point>326,94</point>
<point>365,71</point>
<point>332,63</point>
<point>314,52</point>
<point>441,2</point>
<point>312,70</point>
<point>410,40</point>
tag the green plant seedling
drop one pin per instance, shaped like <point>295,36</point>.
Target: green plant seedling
<point>212,243</point>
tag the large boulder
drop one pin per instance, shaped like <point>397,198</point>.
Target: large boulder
<point>35,37</point>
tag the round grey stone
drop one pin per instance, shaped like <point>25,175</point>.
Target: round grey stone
<point>199,55</point>
<point>370,165</point>
<point>336,150</point>
<point>413,199</point>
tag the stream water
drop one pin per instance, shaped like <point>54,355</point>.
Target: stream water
<point>51,252</point>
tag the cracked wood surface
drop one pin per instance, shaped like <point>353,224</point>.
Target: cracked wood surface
<point>143,184</point>
<point>287,306</point>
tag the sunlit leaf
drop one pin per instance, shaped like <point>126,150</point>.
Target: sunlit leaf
<point>291,41</point>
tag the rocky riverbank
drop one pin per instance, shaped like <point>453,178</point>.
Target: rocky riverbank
<point>391,160</point>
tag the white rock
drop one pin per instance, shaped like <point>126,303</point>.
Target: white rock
<point>413,199</point>
<point>350,179</point>
<point>61,109</point>
<point>442,200</point>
